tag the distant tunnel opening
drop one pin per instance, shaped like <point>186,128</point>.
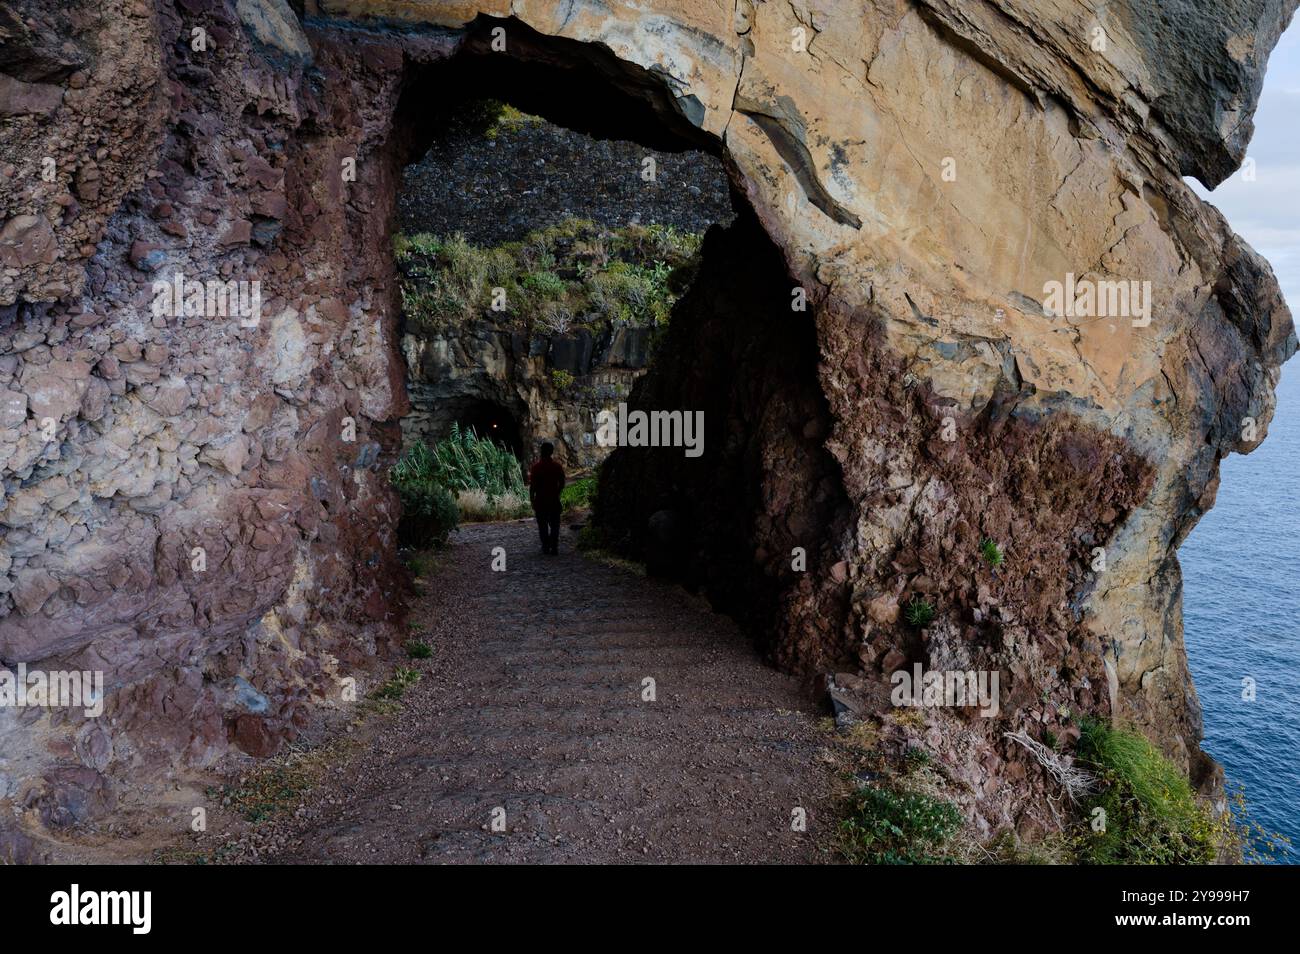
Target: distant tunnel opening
<point>488,419</point>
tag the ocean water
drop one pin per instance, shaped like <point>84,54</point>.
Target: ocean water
<point>1241,604</point>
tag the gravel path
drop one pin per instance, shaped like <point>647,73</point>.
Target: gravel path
<point>533,704</point>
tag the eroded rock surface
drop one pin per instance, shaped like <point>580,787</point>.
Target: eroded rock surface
<point>925,168</point>
<point>468,375</point>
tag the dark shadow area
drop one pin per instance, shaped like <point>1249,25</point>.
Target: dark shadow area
<point>727,523</point>
<point>492,420</point>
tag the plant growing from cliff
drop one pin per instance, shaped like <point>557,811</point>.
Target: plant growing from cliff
<point>1246,838</point>
<point>888,827</point>
<point>992,553</point>
<point>649,243</point>
<point>506,119</point>
<point>915,758</point>
<point>544,286</point>
<point>418,649</point>
<point>632,294</point>
<point>480,117</point>
<point>556,319</point>
<point>1150,814</point>
<point>919,612</point>
<point>561,379</point>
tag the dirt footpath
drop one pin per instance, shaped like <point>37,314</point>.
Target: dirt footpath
<point>527,737</point>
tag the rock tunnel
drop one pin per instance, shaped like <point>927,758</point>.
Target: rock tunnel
<point>866,340</point>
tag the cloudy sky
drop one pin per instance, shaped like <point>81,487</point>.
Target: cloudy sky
<point>1266,212</point>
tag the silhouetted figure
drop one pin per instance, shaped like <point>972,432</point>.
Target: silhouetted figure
<point>545,481</point>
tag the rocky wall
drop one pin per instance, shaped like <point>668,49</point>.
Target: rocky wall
<point>194,502</point>
<point>453,375</point>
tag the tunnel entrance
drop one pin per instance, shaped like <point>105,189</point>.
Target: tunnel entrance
<point>491,420</point>
<point>570,244</point>
<point>539,254</point>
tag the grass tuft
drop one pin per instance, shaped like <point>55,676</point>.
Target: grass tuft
<point>1149,813</point>
<point>919,612</point>
<point>395,687</point>
<point>992,553</point>
<point>477,507</point>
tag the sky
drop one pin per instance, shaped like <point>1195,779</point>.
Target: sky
<point>1266,212</point>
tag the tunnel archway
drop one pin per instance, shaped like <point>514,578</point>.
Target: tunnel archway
<point>492,420</point>
<point>738,355</point>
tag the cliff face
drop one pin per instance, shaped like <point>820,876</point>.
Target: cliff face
<point>487,374</point>
<point>926,169</point>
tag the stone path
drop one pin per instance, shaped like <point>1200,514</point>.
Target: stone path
<point>533,704</point>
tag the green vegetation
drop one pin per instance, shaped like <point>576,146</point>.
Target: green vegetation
<point>574,274</point>
<point>915,758</point>
<point>561,379</point>
<point>396,686</point>
<point>1151,815</point>
<point>428,509</point>
<point>889,827</point>
<point>462,477</point>
<point>992,553</point>
<point>464,461</point>
<point>1255,844</point>
<point>274,787</point>
<point>477,507</point>
<point>264,794</point>
<point>578,494</point>
<point>504,118</point>
<point>919,612</point>
<point>482,118</point>
<point>418,649</point>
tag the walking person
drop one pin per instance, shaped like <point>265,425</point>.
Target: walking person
<point>545,481</point>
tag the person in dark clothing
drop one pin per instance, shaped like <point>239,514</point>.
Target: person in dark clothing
<point>545,481</point>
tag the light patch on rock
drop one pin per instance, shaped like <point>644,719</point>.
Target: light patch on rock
<point>288,353</point>
<point>272,23</point>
